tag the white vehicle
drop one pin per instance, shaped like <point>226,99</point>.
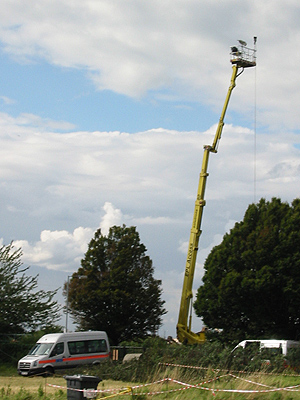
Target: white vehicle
<point>274,346</point>
<point>65,350</point>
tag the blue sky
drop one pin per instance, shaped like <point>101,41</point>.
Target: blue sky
<point>104,110</point>
<point>68,94</point>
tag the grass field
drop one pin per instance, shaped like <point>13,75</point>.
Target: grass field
<point>13,384</point>
<point>174,386</point>
<point>36,387</point>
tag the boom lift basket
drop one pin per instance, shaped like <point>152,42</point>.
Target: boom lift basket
<point>243,56</point>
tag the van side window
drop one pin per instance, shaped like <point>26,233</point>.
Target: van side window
<point>58,349</point>
<point>97,346</point>
<point>253,346</point>
<point>269,352</point>
<point>77,347</point>
<point>87,346</point>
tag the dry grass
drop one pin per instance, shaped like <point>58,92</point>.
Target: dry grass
<point>31,384</point>
<point>254,383</point>
<point>34,383</point>
<point>224,386</point>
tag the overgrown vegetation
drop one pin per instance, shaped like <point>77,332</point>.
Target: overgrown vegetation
<point>157,353</point>
<point>164,381</point>
<point>214,363</point>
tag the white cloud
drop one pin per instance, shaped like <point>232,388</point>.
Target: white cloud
<point>6,100</point>
<point>63,250</point>
<point>112,217</point>
<point>136,47</point>
<point>57,250</point>
<point>151,176</point>
<point>153,221</point>
<point>55,187</point>
<point>32,120</point>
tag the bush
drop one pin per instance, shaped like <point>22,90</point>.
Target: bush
<point>293,359</point>
<point>157,352</point>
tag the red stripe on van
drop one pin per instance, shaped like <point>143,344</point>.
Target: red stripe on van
<point>73,359</point>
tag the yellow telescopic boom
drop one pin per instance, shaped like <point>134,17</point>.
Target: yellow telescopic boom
<point>241,57</point>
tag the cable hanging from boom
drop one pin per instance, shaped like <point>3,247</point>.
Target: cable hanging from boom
<point>254,128</point>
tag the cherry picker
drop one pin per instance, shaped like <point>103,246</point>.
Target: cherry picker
<point>241,57</point>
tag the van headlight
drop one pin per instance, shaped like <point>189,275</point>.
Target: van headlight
<point>35,364</point>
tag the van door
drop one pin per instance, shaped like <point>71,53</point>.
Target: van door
<point>57,355</point>
<point>77,352</point>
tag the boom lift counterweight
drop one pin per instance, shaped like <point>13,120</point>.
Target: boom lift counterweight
<point>241,57</point>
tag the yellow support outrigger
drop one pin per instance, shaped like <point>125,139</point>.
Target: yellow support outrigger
<point>241,57</point>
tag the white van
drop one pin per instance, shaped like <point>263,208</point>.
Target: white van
<point>275,346</point>
<point>65,350</point>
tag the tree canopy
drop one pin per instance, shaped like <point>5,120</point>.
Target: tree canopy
<point>114,289</point>
<point>251,284</point>
<point>23,307</point>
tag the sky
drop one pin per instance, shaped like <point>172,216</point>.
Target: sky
<point>105,107</point>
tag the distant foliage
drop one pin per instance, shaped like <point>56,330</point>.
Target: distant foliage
<point>23,307</point>
<point>251,285</point>
<point>115,290</point>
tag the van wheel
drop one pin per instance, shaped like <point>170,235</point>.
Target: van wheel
<point>49,371</point>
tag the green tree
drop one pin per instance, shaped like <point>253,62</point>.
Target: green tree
<point>251,284</point>
<point>119,293</point>
<point>23,307</point>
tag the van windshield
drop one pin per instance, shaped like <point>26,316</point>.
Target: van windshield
<point>40,349</point>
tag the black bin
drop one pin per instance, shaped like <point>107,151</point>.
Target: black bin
<point>76,385</point>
